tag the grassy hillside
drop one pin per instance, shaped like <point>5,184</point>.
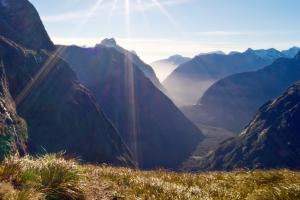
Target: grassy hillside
<point>52,177</point>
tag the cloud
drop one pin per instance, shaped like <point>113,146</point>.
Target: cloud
<point>63,17</point>
<point>223,33</point>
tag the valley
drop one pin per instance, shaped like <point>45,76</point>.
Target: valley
<point>215,119</point>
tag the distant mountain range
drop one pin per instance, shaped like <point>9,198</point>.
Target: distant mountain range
<point>155,130</point>
<point>271,140</point>
<point>60,113</point>
<point>165,67</point>
<point>189,81</point>
<point>231,102</point>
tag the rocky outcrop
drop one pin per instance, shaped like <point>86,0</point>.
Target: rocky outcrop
<point>13,130</point>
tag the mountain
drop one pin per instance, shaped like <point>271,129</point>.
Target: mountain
<point>213,52</point>
<point>133,57</point>
<point>270,54</point>
<point>231,102</point>
<point>13,131</point>
<point>271,140</point>
<point>190,80</point>
<point>164,67</point>
<point>61,114</point>
<point>156,131</point>
<point>21,23</point>
<point>291,53</point>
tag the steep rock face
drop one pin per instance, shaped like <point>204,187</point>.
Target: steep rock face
<point>13,130</point>
<point>158,134</point>
<point>60,113</point>
<point>271,140</point>
<point>231,102</point>
<point>21,23</point>
<point>190,80</point>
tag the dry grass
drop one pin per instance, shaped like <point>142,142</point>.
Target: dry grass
<point>52,177</point>
<point>124,183</point>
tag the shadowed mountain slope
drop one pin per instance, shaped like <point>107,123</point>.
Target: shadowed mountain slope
<point>271,140</point>
<point>61,113</point>
<point>152,126</point>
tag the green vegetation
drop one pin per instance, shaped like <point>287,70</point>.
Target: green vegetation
<point>52,177</point>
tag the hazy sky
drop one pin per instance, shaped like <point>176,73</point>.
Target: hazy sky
<point>159,28</point>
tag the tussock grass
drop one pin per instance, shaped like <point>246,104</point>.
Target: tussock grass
<point>49,177</point>
<point>52,177</point>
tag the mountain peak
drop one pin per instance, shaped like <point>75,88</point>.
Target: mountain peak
<point>249,50</point>
<point>176,56</point>
<point>213,52</point>
<point>109,42</point>
<point>177,59</point>
<point>233,52</point>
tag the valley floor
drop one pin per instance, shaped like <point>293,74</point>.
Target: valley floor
<point>52,177</point>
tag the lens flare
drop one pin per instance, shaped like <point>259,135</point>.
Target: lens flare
<point>127,17</point>
<point>91,12</point>
<point>142,10</point>
<point>39,77</point>
<point>131,102</point>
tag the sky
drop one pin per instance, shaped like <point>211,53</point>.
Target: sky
<point>157,29</point>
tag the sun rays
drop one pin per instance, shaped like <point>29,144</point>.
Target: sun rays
<point>127,16</point>
<point>91,12</point>
<point>125,9</point>
<point>163,10</point>
<point>116,5</point>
